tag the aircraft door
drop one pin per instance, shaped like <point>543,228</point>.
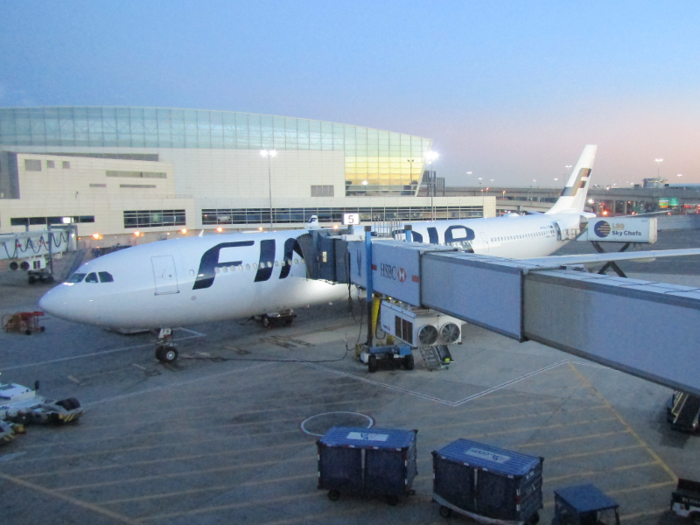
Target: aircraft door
<point>485,241</point>
<point>164,274</point>
<point>557,227</point>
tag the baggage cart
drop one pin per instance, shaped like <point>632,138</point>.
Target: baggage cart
<point>369,462</point>
<point>486,483</point>
<point>22,322</point>
<point>583,505</point>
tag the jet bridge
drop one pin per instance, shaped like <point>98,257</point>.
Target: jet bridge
<point>28,245</point>
<point>644,328</point>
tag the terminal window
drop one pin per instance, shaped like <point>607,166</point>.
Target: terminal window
<point>137,174</point>
<point>32,165</point>
<point>154,218</point>
<point>32,221</point>
<point>325,190</point>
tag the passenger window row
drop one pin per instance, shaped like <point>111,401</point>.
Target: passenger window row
<point>233,268</point>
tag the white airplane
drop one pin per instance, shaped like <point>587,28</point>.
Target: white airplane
<point>519,236</point>
<point>210,278</point>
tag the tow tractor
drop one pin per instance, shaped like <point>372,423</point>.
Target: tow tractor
<point>685,500</point>
<point>584,505</point>
<point>20,405</point>
<point>394,355</point>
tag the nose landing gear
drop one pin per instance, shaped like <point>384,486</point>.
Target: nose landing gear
<point>165,349</point>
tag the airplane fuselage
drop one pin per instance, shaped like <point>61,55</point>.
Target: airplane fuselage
<point>511,236</point>
<point>188,281</point>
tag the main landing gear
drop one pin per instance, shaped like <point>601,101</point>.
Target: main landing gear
<point>165,349</point>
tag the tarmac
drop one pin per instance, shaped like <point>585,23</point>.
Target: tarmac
<point>227,434</point>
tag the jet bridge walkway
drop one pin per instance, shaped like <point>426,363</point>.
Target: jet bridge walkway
<point>647,329</point>
<point>28,245</point>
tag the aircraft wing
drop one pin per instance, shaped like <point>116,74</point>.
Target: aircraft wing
<point>595,259</point>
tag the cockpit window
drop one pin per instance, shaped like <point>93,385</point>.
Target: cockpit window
<point>76,278</point>
<point>91,278</point>
<point>106,277</point>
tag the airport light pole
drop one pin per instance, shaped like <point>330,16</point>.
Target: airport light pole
<point>430,156</point>
<point>269,153</point>
<point>658,167</point>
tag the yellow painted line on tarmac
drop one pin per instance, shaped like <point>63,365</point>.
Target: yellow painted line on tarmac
<point>206,489</point>
<point>323,517</point>
<point>74,501</point>
<point>130,417</point>
<point>649,450</point>
<point>172,475</point>
<point>593,453</point>
<point>218,508</point>
<point>538,427</point>
<point>644,487</point>
<point>547,413</point>
<point>43,460</point>
<point>656,512</point>
<point>602,472</point>
<point>169,459</point>
<point>577,438</point>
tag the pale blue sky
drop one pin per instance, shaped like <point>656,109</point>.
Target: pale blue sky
<point>509,90</point>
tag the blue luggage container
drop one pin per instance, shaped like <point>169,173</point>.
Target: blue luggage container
<point>374,462</point>
<point>486,483</point>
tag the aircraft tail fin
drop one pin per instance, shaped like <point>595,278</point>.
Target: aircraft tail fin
<point>313,223</point>
<point>573,198</point>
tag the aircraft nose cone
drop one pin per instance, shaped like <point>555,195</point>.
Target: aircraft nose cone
<point>51,303</point>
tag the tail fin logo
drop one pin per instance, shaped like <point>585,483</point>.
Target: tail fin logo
<point>579,183</point>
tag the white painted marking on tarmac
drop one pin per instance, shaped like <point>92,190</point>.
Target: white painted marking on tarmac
<point>194,335</point>
<point>173,385</point>
<point>447,402</point>
<point>303,423</point>
<point>10,457</point>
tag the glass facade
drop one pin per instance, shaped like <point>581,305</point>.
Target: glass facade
<point>154,218</point>
<point>376,161</point>
<point>255,216</point>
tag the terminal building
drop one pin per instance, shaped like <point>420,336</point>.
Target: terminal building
<point>126,170</point>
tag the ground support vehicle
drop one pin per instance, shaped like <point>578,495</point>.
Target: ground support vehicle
<point>20,405</point>
<point>22,322</point>
<point>7,432</point>
<point>487,484</point>
<point>274,319</point>
<point>584,505</point>
<point>393,355</point>
<point>683,412</point>
<point>685,500</point>
<point>367,462</point>
<point>41,276</point>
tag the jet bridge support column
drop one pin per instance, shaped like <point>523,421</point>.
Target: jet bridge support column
<point>370,289</point>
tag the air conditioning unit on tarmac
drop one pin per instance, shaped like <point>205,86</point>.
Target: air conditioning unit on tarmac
<point>419,326</point>
<point>32,263</point>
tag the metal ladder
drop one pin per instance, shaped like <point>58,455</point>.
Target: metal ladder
<point>430,357</point>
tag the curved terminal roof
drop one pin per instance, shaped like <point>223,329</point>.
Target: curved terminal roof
<point>372,156</point>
